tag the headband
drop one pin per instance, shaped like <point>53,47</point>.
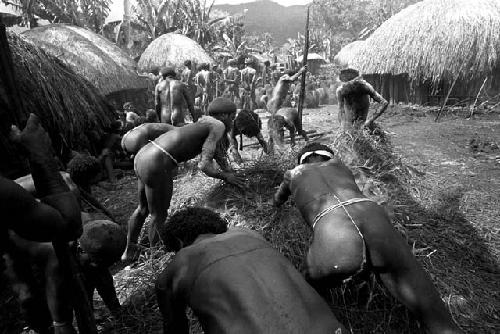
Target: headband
<point>319,152</point>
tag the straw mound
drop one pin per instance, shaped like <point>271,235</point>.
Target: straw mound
<point>92,56</point>
<point>67,104</point>
<point>172,50</point>
<point>434,40</point>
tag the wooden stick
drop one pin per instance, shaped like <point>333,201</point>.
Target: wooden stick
<point>302,95</point>
<point>446,99</point>
<point>477,97</point>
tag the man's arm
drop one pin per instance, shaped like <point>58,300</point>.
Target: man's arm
<point>157,101</point>
<point>299,73</point>
<point>378,98</point>
<point>50,186</point>
<point>233,146</point>
<point>171,299</point>
<point>283,192</point>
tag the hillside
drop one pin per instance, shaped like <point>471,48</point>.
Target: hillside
<point>267,16</point>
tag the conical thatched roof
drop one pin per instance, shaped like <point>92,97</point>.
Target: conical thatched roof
<point>172,50</point>
<point>68,105</point>
<point>92,56</point>
<point>436,39</point>
<point>347,53</point>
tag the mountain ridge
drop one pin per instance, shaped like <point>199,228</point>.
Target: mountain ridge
<point>267,16</point>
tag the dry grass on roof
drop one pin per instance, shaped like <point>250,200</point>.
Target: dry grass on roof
<point>92,56</point>
<point>436,39</point>
<point>67,104</point>
<point>172,50</point>
<point>347,53</point>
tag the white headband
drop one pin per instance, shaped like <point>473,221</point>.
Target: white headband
<point>318,152</point>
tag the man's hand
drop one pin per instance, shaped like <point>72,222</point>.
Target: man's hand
<point>33,138</point>
<point>237,181</point>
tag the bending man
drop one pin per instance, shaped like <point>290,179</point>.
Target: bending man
<point>155,164</point>
<point>352,235</point>
<point>354,100</point>
<point>235,282</point>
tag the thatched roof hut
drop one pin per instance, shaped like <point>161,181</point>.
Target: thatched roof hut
<point>68,105</point>
<point>437,42</point>
<point>347,53</point>
<point>314,62</point>
<point>172,50</point>
<point>92,56</point>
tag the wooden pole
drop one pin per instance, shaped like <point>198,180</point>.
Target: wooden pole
<point>477,97</point>
<point>446,99</point>
<point>304,62</point>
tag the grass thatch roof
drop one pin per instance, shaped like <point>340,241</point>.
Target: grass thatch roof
<point>92,56</point>
<point>347,53</point>
<point>67,104</point>
<point>436,39</point>
<point>172,50</point>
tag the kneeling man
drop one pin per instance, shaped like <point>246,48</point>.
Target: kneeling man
<point>234,281</point>
<point>353,234</point>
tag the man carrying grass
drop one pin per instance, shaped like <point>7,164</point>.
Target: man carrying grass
<point>353,235</point>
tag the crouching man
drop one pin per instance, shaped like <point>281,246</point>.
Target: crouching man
<point>33,266</point>
<point>246,123</point>
<point>154,166</point>
<point>234,281</point>
<point>352,235</point>
<point>287,118</point>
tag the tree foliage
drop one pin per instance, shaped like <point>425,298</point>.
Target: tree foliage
<point>342,21</point>
<point>89,14</point>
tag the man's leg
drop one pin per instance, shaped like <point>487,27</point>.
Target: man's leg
<point>406,280</point>
<point>158,197</point>
<point>135,224</point>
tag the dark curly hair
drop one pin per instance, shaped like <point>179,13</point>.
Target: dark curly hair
<point>83,169</point>
<point>311,147</point>
<point>248,123</point>
<point>187,224</point>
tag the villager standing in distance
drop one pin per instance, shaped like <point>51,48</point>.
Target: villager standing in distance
<point>170,97</point>
<point>231,77</point>
<point>354,100</point>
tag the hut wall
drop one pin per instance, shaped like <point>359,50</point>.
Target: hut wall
<point>394,88</point>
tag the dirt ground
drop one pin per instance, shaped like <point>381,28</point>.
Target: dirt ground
<point>449,214</point>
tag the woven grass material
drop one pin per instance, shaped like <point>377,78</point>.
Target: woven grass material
<point>347,53</point>
<point>92,56</point>
<point>172,50</point>
<point>436,39</point>
<point>67,104</point>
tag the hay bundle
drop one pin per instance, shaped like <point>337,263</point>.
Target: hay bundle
<point>67,104</point>
<point>435,40</point>
<point>92,56</point>
<point>172,50</point>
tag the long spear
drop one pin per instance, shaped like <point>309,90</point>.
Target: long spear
<point>303,78</point>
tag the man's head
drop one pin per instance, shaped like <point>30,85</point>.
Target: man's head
<point>187,63</point>
<point>291,72</point>
<point>200,67</point>
<point>232,62</point>
<point>168,72</point>
<point>248,123</point>
<point>184,226</point>
<point>103,241</point>
<point>151,116</point>
<point>84,170</point>
<point>348,74</point>
<point>128,106</point>
<point>248,61</point>
<point>314,152</point>
<point>224,110</point>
